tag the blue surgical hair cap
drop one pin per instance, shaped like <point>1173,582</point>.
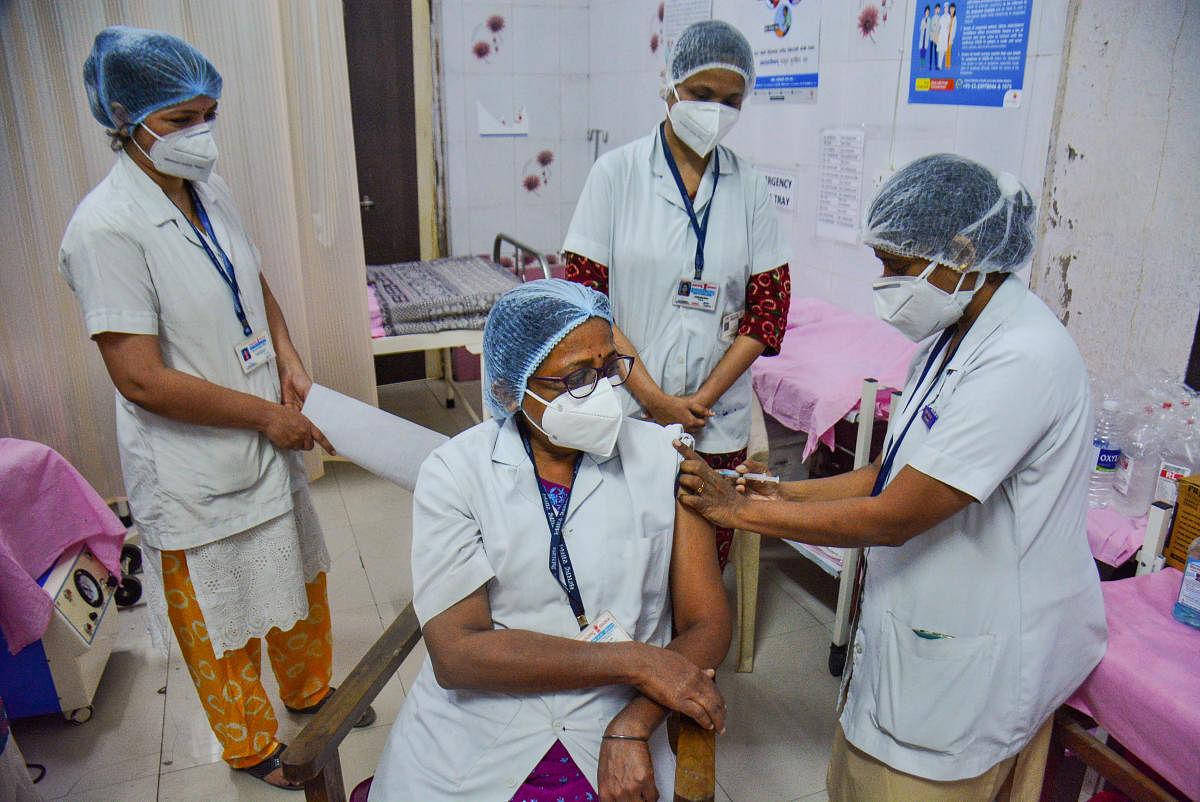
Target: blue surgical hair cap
<point>133,72</point>
<point>951,210</point>
<point>522,329</point>
<point>710,44</point>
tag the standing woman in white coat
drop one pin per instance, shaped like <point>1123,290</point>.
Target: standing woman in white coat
<point>981,609</point>
<point>682,236</point>
<point>209,390</point>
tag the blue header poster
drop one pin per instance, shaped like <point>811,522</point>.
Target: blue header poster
<point>969,52</point>
<point>785,36</point>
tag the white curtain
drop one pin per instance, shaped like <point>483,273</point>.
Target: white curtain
<point>287,149</point>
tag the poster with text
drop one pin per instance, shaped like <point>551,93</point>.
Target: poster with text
<point>785,36</point>
<point>677,15</point>
<point>969,52</point>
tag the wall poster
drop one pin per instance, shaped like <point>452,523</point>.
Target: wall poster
<point>969,52</point>
<point>785,36</point>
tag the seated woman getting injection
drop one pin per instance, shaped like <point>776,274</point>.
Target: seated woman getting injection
<point>553,683</point>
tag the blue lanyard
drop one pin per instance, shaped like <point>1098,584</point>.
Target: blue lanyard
<point>560,559</point>
<point>223,266</point>
<point>700,227</point>
<point>885,467</point>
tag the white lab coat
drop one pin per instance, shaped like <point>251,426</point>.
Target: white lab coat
<point>945,33</point>
<point>1010,578</point>
<point>137,267</point>
<point>478,519</point>
<point>631,218</point>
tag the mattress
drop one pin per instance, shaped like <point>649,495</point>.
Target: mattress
<point>434,295</point>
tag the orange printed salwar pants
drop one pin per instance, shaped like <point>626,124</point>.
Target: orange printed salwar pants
<point>229,686</point>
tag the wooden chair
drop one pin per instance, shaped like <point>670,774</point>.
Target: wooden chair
<point>1070,732</point>
<point>746,549</point>
<point>312,756</point>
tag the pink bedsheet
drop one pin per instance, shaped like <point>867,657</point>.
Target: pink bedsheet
<point>1145,691</point>
<point>816,379</point>
<point>376,314</point>
<point>1113,537</point>
<point>45,508</point>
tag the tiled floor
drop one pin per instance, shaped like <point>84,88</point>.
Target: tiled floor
<point>149,739</point>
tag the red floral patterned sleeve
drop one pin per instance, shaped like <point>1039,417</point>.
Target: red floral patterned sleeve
<point>767,297</point>
<point>584,271</point>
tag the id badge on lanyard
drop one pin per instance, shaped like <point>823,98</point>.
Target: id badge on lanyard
<point>255,350</point>
<point>697,295</point>
<point>694,293</point>
<point>923,411</point>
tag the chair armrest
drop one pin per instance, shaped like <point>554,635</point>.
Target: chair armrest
<point>1069,732</point>
<point>317,744</point>
<point>757,449</point>
<point>695,765</point>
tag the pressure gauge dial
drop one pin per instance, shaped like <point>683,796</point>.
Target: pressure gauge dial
<point>89,588</point>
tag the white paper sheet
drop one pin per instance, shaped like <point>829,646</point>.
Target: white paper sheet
<point>384,444</point>
<point>840,205</point>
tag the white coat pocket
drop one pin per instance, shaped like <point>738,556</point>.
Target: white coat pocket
<point>205,462</point>
<point>931,693</point>
<point>647,562</point>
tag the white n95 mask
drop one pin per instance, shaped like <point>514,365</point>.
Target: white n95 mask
<point>918,308</point>
<point>588,424</point>
<point>701,124</point>
<point>188,154</point>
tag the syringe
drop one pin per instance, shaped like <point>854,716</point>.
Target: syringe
<point>750,477</point>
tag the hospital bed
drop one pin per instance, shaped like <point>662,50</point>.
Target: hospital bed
<point>1133,721</point>
<point>816,381</point>
<point>440,304</point>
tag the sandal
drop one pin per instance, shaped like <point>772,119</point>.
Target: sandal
<point>368,716</point>
<point>267,767</point>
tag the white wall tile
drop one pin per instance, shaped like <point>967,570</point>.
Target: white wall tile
<point>538,225</point>
<point>540,96</point>
<point>991,136</point>
<point>491,170</point>
<point>574,41</point>
<point>488,221</point>
<point>454,47</point>
<point>458,124</point>
<point>535,39</point>
<point>1048,28</point>
<point>1041,77</point>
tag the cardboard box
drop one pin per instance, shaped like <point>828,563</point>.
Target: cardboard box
<point>1186,527</point>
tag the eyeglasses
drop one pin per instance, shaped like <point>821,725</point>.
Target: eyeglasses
<point>581,382</point>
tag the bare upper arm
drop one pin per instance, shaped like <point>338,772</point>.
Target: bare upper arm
<point>695,574</point>
<point>446,630</point>
<point>914,502</point>
<point>131,360</point>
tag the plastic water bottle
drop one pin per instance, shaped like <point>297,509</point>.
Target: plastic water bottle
<point>1180,458</point>
<point>1137,469</point>
<point>1107,452</point>
<point>1187,608</point>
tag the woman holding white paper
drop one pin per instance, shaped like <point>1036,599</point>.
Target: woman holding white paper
<point>552,684</point>
<point>209,389</point>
